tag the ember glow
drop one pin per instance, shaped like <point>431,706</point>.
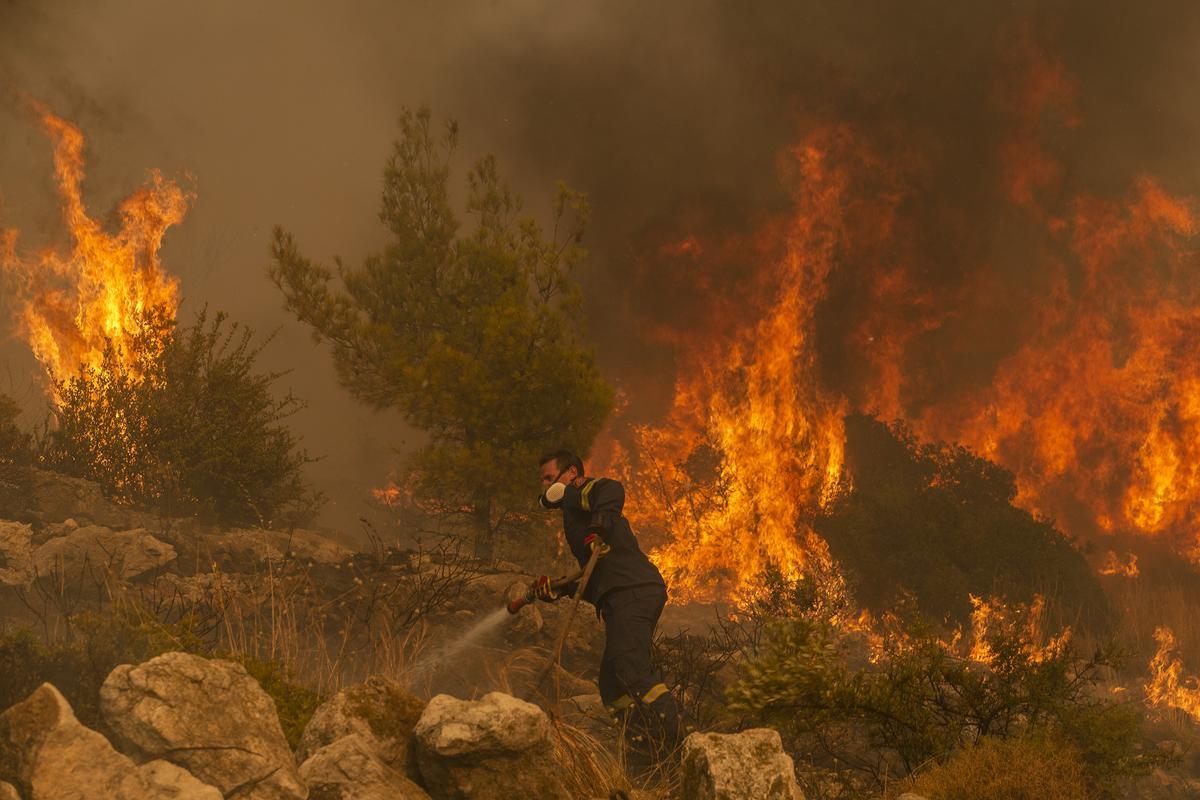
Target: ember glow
<point>73,302</point>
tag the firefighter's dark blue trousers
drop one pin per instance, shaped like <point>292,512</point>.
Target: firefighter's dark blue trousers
<point>629,685</point>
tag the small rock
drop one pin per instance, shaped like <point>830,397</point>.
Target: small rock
<point>208,716</point>
<point>750,765</point>
<point>490,749</point>
<point>48,755</point>
<point>8,792</point>
<point>348,769</point>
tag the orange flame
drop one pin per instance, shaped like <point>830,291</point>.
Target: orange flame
<point>72,304</point>
<point>1020,622</point>
<point>1168,686</point>
<point>753,444</point>
<point>1125,567</point>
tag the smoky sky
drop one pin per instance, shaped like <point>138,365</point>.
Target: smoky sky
<point>667,114</point>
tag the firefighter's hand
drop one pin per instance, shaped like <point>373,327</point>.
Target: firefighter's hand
<point>596,543</point>
<point>543,590</point>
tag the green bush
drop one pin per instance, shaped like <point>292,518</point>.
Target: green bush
<point>185,423</point>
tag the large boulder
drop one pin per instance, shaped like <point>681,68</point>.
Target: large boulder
<point>380,712</point>
<point>48,755</point>
<point>97,552</point>
<point>209,716</point>
<point>750,765</point>
<point>490,749</point>
<point>348,769</point>
<point>16,553</point>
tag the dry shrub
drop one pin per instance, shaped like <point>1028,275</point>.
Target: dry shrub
<point>1008,769</point>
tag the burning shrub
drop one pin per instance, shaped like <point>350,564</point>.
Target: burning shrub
<point>185,424</point>
<point>938,521</point>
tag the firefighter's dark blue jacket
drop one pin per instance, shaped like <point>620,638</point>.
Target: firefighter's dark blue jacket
<point>595,507</point>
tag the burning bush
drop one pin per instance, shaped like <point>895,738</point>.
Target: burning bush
<point>184,423</point>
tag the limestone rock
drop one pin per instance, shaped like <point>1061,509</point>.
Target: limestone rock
<point>379,711</point>
<point>348,769</point>
<point>49,755</point>
<point>97,552</point>
<point>750,765</point>
<point>8,792</point>
<point>16,553</point>
<point>210,717</point>
<point>490,749</point>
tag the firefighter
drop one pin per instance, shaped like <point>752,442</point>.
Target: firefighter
<point>627,590</point>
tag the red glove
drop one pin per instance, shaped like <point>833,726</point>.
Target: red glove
<point>543,590</point>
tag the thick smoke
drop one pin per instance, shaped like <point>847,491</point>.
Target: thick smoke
<point>671,115</point>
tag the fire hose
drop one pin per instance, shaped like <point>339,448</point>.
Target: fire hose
<point>519,603</point>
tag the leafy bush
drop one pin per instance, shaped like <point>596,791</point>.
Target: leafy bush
<point>937,521</point>
<point>1008,769</point>
<point>185,423</point>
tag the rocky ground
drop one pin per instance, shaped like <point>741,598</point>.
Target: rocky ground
<point>426,683</point>
<point>192,728</point>
<point>183,725</point>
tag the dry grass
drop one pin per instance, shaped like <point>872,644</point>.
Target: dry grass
<point>1146,603</point>
<point>281,614</point>
<point>1006,769</point>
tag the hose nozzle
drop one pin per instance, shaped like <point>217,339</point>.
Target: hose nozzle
<point>517,604</point>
